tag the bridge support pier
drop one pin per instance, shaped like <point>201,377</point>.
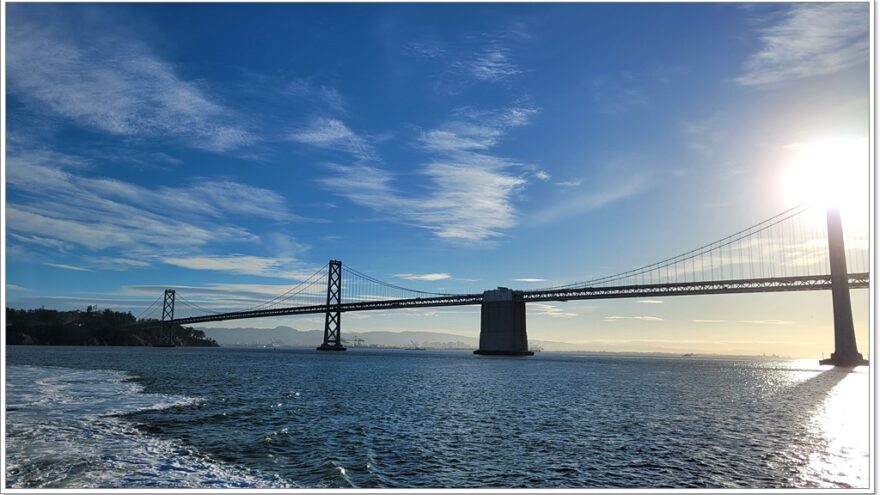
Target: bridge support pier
<point>846,353</point>
<point>333,317</point>
<point>503,324</point>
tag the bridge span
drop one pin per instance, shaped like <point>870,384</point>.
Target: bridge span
<point>771,256</point>
<point>780,284</point>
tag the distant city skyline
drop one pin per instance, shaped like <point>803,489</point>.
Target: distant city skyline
<point>230,150</point>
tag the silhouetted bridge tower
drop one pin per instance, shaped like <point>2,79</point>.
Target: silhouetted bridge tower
<point>786,252</point>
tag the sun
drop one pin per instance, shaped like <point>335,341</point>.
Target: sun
<point>829,174</point>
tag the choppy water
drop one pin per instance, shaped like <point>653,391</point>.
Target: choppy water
<point>88,417</point>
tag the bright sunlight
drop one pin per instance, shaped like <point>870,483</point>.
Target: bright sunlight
<point>832,173</point>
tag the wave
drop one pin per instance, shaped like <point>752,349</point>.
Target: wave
<point>64,430</point>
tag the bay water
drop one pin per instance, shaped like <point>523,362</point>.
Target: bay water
<point>127,417</point>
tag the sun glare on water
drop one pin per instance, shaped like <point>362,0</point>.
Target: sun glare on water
<point>830,174</point>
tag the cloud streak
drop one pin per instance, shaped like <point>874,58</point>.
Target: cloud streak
<point>68,267</point>
<point>64,211</point>
<point>541,309</point>
<point>567,184</point>
<point>486,58</point>
<point>767,322</point>
<point>641,318</point>
<point>243,265</point>
<point>90,73</point>
<point>470,194</point>
<point>810,40</point>
<point>491,64</point>
<point>591,200</point>
<point>328,96</point>
<point>332,134</point>
<point>426,277</point>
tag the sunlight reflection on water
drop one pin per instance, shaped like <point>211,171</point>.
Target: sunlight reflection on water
<point>840,421</point>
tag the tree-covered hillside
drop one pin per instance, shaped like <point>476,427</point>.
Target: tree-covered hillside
<point>51,327</point>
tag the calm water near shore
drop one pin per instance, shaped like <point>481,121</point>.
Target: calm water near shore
<point>81,417</point>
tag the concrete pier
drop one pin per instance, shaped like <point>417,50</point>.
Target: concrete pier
<point>503,324</point>
<point>846,353</point>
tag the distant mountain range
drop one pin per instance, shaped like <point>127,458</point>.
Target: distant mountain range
<point>289,336</point>
<point>283,335</point>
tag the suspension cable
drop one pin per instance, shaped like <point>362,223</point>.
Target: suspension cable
<point>710,247</point>
<point>138,317</point>
<point>392,286</point>
<point>304,285</point>
<point>196,306</point>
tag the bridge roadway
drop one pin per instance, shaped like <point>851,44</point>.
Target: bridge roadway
<point>741,286</point>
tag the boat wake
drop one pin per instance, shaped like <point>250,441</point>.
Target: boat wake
<point>64,430</point>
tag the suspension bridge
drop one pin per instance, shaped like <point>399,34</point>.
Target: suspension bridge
<point>796,250</point>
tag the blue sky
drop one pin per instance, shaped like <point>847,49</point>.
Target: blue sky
<point>232,150</point>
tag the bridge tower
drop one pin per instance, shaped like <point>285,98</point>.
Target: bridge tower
<point>168,315</point>
<point>503,324</point>
<point>333,317</point>
<point>846,353</point>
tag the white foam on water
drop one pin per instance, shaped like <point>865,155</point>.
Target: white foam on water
<point>62,431</point>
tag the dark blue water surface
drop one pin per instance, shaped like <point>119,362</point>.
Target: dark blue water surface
<point>214,417</point>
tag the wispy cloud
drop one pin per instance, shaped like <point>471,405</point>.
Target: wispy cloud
<point>332,134</point>
<point>708,321</point>
<point>115,263</point>
<point>329,96</point>
<point>243,265</point>
<point>541,309</point>
<point>476,130</point>
<point>491,64</point>
<point>230,197</point>
<point>470,194</point>
<point>810,39</point>
<point>211,197</point>
<point>461,137</point>
<point>222,297</point>
<point>471,203</point>
<point>467,204</point>
<point>14,287</point>
<point>40,241</point>
<point>487,57</point>
<point>542,175</point>
<point>530,280</point>
<point>767,322</point>
<point>430,277</point>
<point>27,154</point>
<point>642,318</point>
<point>566,184</point>
<point>88,71</point>
<point>122,225</point>
<point>68,267</point>
<point>591,200</point>
<point>430,49</point>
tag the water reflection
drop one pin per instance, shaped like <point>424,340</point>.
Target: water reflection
<point>841,422</point>
<point>828,410</point>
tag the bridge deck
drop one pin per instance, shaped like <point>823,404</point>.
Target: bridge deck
<point>778,284</point>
